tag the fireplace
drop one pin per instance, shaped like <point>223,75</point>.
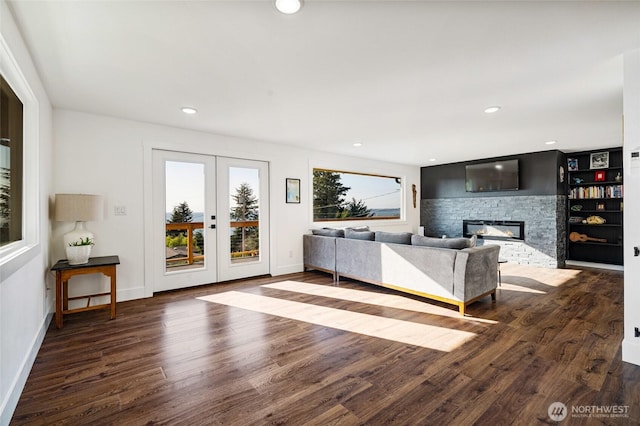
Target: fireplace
<point>494,229</point>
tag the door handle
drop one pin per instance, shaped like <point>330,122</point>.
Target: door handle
<point>212,226</point>
<point>636,251</point>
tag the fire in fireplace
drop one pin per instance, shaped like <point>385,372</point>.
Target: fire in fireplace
<point>494,229</point>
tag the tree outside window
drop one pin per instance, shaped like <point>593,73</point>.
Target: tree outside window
<point>339,196</point>
<point>245,237</point>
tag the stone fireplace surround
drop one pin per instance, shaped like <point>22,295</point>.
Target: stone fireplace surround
<point>544,215</point>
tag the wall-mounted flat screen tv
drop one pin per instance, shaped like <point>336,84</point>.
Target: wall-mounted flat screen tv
<point>493,176</point>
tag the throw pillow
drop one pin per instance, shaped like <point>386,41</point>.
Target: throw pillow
<point>328,232</point>
<point>358,228</point>
<point>394,237</point>
<point>450,243</point>
<point>359,235</point>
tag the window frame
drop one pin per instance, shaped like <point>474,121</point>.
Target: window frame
<point>17,254</point>
<point>379,219</point>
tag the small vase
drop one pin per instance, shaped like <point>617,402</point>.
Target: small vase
<point>78,255</point>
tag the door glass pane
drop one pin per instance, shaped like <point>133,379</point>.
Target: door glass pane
<point>244,204</point>
<point>184,213</point>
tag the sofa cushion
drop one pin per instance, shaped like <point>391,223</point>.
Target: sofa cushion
<point>358,228</point>
<point>450,243</point>
<point>393,237</point>
<point>359,235</point>
<point>328,232</point>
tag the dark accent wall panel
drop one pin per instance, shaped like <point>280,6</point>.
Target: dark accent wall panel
<point>539,175</point>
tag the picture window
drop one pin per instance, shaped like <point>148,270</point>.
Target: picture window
<point>348,196</point>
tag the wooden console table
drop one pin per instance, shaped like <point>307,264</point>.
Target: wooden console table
<point>105,265</point>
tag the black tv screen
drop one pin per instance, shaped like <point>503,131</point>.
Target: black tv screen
<point>494,176</point>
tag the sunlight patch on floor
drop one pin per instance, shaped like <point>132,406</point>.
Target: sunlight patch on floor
<point>426,336</point>
<point>372,298</point>
<point>522,289</point>
<point>551,277</point>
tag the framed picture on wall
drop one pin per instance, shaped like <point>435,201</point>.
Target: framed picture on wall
<point>600,160</point>
<point>293,190</point>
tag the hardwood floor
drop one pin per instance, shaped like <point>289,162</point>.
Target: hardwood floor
<point>272,351</point>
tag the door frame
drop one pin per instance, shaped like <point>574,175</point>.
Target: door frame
<point>205,147</point>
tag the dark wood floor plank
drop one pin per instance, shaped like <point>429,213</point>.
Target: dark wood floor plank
<point>515,402</point>
<point>552,335</point>
<point>336,416</point>
<point>381,398</point>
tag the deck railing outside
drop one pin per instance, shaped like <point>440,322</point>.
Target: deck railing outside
<point>192,257</point>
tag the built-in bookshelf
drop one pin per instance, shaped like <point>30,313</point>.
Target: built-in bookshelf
<point>595,205</point>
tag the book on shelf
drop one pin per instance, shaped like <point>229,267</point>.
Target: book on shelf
<point>604,191</point>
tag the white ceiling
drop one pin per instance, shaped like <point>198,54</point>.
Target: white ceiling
<point>407,79</point>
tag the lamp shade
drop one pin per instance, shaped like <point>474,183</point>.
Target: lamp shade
<point>78,207</point>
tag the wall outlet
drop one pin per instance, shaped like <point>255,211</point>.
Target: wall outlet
<point>120,210</point>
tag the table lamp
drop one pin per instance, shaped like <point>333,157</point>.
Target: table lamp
<point>78,208</point>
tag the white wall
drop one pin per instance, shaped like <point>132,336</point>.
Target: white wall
<point>631,344</point>
<point>103,155</point>
<point>25,302</point>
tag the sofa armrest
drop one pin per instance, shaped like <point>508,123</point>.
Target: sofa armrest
<point>476,271</point>
<point>319,252</point>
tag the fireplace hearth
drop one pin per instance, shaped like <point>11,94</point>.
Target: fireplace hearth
<point>494,229</point>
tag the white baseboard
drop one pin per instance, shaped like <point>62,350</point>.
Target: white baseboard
<point>130,294</point>
<point>594,265</point>
<point>631,350</point>
<point>288,269</point>
<point>15,390</point>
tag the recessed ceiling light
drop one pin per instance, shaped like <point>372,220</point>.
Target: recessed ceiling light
<point>492,109</point>
<point>550,142</point>
<point>188,110</point>
<point>357,144</point>
<point>288,7</point>
<point>432,159</point>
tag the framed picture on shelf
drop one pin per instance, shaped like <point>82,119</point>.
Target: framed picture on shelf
<point>600,206</point>
<point>293,190</point>
<point>599,176</point>
<point>600,160</point>
<point>572,164</point>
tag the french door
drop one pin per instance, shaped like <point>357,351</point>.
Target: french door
<point>243,209</point>
<point>210,219</point>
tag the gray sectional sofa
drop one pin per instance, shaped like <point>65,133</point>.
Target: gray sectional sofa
<point>453,271</point>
